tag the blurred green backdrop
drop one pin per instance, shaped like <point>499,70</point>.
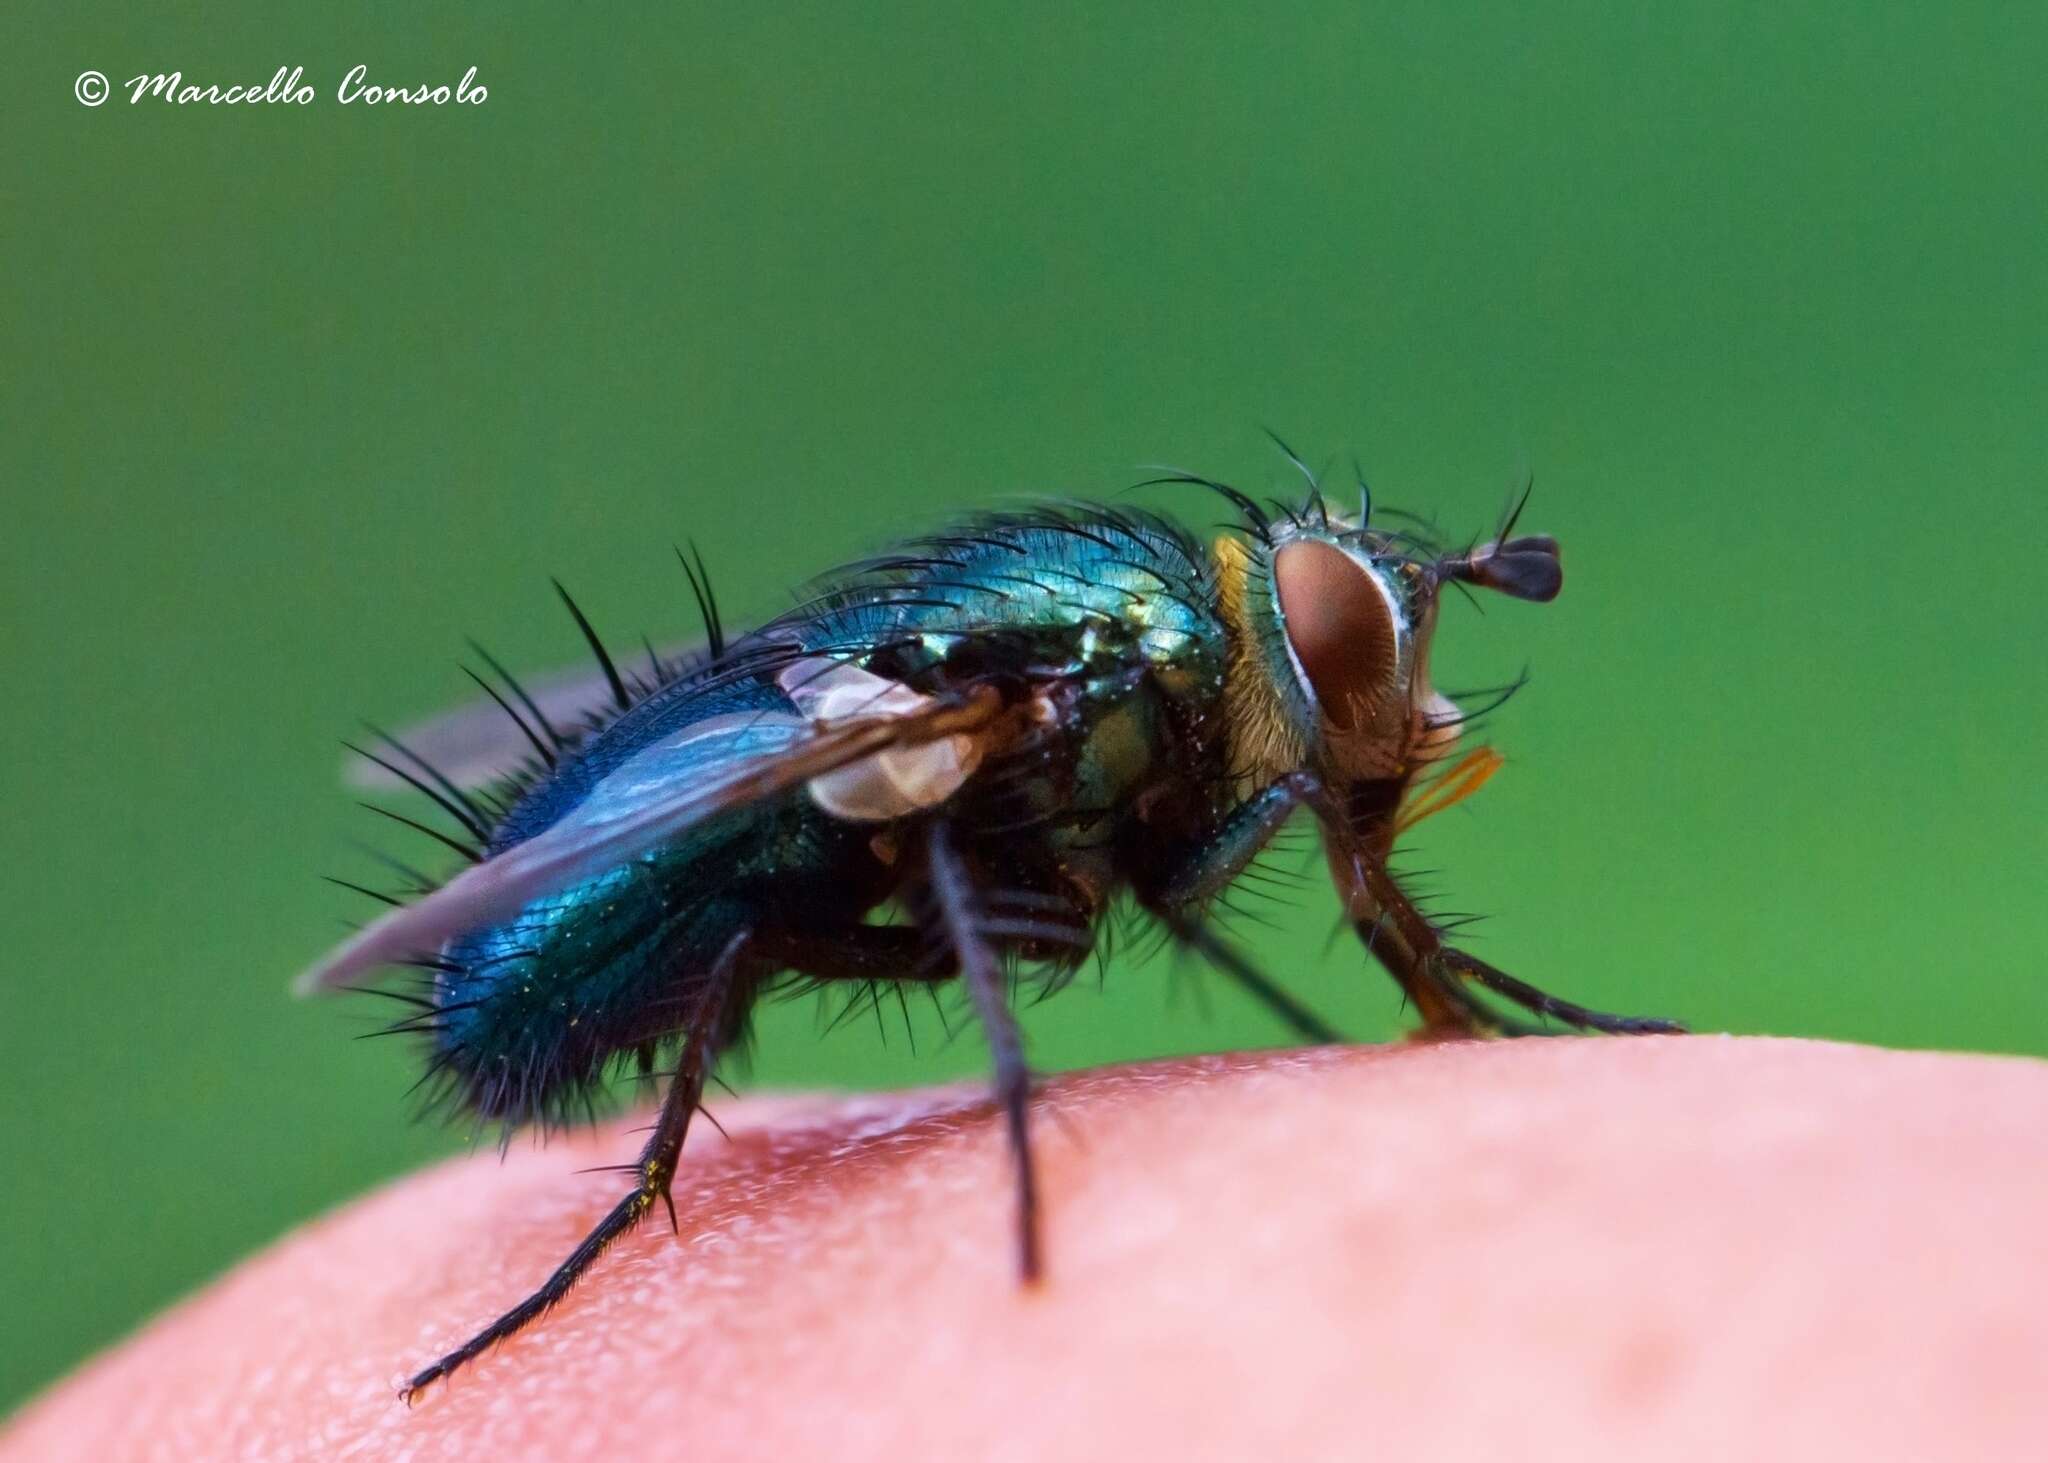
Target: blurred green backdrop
<point>298,397</point>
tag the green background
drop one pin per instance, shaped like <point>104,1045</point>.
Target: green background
<point>295,398</point>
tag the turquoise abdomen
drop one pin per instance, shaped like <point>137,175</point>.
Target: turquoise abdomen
<point>530,1010</point>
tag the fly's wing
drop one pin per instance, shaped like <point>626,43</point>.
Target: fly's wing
<point>479,741</point>
<point>650,798</point>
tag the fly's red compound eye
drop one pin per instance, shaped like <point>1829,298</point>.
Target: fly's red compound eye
<point>1340,626</point>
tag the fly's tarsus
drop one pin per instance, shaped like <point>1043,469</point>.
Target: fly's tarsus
<point>1541,1003</point>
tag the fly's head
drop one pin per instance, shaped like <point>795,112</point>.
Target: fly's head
<point>1332,623</point>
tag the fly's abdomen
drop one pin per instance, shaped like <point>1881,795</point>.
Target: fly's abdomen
<point>531,1011</point>
<point>528,1012</point>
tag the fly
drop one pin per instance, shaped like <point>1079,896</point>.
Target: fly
<point>944,763</point>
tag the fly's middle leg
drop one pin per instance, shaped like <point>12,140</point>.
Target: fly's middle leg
<point>959,922</point>
<point>1191,874</point>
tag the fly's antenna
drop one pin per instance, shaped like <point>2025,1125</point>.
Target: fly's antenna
<point>604,657</point>
<point>1525,568</point>
<point>707,602</point>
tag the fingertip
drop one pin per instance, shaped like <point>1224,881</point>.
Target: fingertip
<point>1660,1245</point>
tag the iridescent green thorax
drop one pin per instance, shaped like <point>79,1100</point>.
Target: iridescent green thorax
<point>1095,593</point>
<point>1118,608</point>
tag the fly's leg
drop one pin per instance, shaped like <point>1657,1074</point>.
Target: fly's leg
<point>656,1169</point>
<point>1198,872</point>
<point>1435,975</point>
<point>1298,1018</point>
<point>1529,998</point>
<point>958,921</point>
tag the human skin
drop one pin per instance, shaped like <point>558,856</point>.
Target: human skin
<point>1666,1248</point>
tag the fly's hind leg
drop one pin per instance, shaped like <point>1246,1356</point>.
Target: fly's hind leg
<point>957,936</point>
<point>960,923</point>
<point>656,1169</point>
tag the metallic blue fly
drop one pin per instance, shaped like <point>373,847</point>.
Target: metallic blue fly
<point>945,761</point>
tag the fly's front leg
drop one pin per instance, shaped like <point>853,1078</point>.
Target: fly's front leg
<point>1435,977</point>
<point>1402,939</point>
<point>1192,874</point>
<point>1529,998</point>
<point>1435,974</point>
